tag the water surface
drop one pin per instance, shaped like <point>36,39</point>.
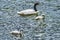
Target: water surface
<point>9,20</point>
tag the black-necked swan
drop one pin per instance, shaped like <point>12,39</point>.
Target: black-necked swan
<point>29,11</point>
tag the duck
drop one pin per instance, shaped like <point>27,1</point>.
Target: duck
<point>16,33</point>
<point>29,11</point>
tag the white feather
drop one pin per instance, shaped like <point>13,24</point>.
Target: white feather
<point>27,12</point>
<point>40,17</point>
<point>15,31</point>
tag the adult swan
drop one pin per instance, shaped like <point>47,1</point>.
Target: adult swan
<point>29,11</point>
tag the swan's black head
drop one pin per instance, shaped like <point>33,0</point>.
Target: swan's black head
<point>35,6</point>
<point>37,3</point>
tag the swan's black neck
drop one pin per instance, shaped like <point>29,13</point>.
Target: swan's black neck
<point>35,6</point>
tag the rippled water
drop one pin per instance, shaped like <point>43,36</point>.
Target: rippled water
<point>33,29</point>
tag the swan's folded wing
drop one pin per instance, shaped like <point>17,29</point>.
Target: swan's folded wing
<point>27,12</point>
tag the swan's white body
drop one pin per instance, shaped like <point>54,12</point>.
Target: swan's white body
<point>16,33</point>
<point>27,12</point>
<point>40,17</point>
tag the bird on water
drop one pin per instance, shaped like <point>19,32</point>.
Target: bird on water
<point>16,33</point>
<point>29,11</point>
